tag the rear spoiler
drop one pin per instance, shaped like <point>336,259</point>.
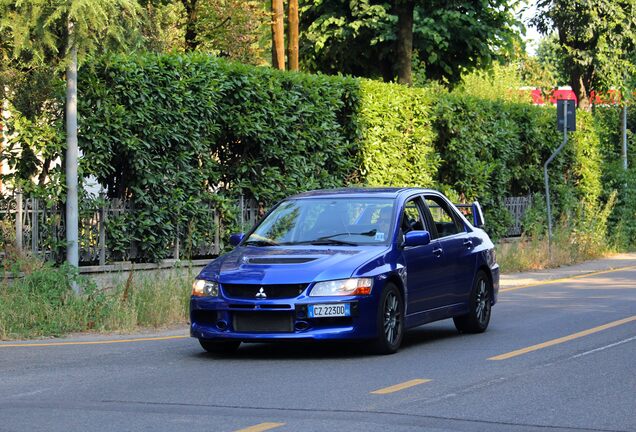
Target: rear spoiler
<point>477,213</point>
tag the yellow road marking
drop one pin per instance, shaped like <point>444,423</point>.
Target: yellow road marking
<point>402,386</point>
<point>106,342</point>
<point>261,427</point>
<point>563,339</point>
<point>565,279</point>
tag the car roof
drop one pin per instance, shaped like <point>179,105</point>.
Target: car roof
<point>357,192</point>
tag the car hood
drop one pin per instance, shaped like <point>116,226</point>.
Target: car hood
<point>288,265</point>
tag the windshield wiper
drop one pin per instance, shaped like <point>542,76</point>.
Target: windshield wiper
<point>260,243</point>
<point>367,233</point>
<point>327,241</point>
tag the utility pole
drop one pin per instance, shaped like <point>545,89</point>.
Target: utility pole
<point>72,208</point>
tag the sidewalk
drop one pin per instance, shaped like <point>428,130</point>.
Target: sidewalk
<point>525,278</point>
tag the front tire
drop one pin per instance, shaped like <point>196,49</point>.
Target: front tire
<point>219,347</point>
<point>480,306</point>
<point>390,320</point>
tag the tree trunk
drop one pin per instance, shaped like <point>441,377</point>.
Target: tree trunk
<point>581,87</point>
<point>404,49</point>
<point>46,166</point>
<point>278,34</point>
<point>292,39</point>
<point>72,209</point>
<point>580,76</point>
<point>191,42</point>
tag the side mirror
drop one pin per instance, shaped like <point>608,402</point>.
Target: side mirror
<point>417,238</point>
<point>478,216</point>
<point>235,239</point>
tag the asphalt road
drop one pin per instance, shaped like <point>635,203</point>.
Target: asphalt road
<point>557,356</point>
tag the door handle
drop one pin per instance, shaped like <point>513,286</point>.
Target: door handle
<point>468,243</point>
<point>438,252</point>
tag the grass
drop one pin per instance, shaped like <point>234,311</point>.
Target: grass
<point>532,253</point>
<point>42,304</point>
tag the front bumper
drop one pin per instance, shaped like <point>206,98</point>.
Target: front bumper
<point>216,318</point>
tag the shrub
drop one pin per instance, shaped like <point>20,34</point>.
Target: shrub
<point>176,134</point>
<point>397,135</point>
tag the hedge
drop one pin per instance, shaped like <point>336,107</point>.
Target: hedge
<point>175,133</point>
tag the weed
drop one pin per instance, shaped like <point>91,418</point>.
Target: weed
<point>42,303</point>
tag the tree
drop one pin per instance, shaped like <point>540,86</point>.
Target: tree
<point>551,55</point>
<point>236,29</point>
<point>376,38</point>
<point>61,33</point>
<point>233,29</point>
<point>278,34</point>
<point>597,38</point>
<point>292,39</point>
<point>191,40</point>
<point>404,10</point>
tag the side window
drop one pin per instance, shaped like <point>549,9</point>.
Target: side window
<point>412,218</point>
<point>444,219</point>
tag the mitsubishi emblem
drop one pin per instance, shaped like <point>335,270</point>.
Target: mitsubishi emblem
<point>261,293</point>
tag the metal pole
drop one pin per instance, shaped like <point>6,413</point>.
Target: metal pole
<point>545,174</point>
<point>242,205</point>
<point>35,226</point>
<point>102,232</point>
<point>18,220</point>
<point>176,245</point>
<point>625,137</point>
<point>217,234</point>
<point>72,208</point>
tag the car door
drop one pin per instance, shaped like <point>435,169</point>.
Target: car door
<point>424,276</point>
<point>457,260</point>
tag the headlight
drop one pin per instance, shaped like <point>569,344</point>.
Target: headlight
<point>204,288</point>
<point>343,287</point>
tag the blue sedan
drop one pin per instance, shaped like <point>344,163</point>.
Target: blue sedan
<point>356,264</point>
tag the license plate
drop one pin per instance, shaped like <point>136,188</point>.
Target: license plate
<point>329,310</point>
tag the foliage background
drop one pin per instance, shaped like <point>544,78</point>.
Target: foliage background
<point>177,133</point>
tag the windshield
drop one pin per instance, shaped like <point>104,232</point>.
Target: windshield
<point>345,221</point>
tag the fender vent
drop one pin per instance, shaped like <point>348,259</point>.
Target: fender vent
<point>280,260</point>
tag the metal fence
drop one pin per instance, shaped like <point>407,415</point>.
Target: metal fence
<point>517,206</point>
<point>39,228</point>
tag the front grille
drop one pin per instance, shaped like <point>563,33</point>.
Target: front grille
<point>263,322</point>
<point>253,291</point>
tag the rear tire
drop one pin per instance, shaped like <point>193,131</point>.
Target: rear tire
<point>219,347</point>
<point>390,320</point>
<point>480,306</point>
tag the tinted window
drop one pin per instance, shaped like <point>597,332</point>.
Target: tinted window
<point>412,218</point>
<point>444,219</point>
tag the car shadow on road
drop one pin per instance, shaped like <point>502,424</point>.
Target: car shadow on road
<point>312,350</point>
<point>428,334</point>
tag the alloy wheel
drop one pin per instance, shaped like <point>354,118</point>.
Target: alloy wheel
<point>392,318</point>
<point>482,302</point>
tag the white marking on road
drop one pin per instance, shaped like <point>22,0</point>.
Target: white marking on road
<point>31,393</point>
<point>604,347</point>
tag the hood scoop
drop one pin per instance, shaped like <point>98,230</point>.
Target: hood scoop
<point>279,260</point>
